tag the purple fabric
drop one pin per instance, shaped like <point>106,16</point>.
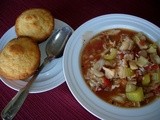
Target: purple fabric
<point>59,103</point>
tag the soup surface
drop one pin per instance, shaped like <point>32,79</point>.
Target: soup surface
<point>122,67</point>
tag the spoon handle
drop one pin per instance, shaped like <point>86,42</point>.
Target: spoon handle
<point>14,105</point>
<point>17,101</point>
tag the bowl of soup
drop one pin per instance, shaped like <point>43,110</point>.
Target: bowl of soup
<point>111,65</point>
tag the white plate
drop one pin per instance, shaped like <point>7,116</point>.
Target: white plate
<point>52,74</point>
<point>74,79</point>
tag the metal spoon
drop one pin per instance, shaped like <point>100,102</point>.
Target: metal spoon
<point>54,49</point>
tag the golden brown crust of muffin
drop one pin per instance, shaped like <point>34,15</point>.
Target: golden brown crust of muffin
<point>19,59</point>
<point>35,23</point>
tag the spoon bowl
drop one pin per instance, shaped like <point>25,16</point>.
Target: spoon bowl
<point>54,48</point>
<point>57,41</point>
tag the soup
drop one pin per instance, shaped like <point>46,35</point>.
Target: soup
<point>122,67</point>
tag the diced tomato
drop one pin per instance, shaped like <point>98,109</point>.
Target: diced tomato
<point>152,67</point>
<point>147,67</point>
<point>121,56</point>
<point>155,67</point>
<point>106,82</point>
<point>142,42</point>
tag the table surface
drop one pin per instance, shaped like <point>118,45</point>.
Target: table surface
<point>59,103</point>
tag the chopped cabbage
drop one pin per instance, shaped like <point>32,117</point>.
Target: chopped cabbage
<point>127,44</point>
<point>137,38</point>
<point>136,96</point>
<point>130,87</point>
<point>146,80</point>
<point>155,58</point>
<point>152,49</point>
<point>133,65</point>
<point>125,72</point>
<point>142,61</point>
<point>156,77</point>
<point>111,55</point>
<point>109,73</point>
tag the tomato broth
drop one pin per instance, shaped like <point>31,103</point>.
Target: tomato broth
<point>122,67</point>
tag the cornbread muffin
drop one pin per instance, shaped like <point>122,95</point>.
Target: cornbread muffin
<point>35,23</point>
<point>19,59</point>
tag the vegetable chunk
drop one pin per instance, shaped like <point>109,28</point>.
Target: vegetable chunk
<point>136,96</point>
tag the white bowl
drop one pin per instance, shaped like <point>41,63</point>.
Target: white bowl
<point>74,78</point>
